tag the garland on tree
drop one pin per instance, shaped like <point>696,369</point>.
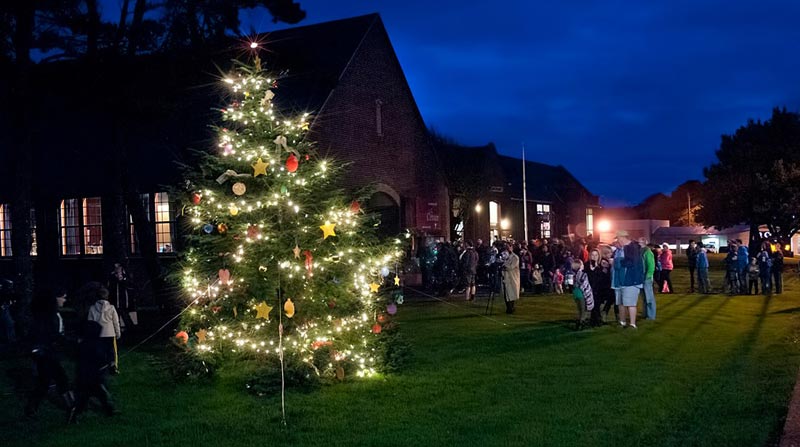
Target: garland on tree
<point>279,261</point>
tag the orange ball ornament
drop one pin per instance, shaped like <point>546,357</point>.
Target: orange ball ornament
<point>292,163</point>
<point>182,337</point>
<point>376,328</point>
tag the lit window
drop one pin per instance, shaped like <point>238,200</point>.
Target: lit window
<point>494,214</point>
<point>158,213</point>
<point>589,221</point>
<point>5,231</point>
<point>81,226</point>
<point>543,211</point>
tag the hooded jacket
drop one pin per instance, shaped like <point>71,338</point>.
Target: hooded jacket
<point>104,313</point>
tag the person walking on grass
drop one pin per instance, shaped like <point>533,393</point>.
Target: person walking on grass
<point>594,273</point>
<point>691,256</point>
<point>702,271</point>
<point>765,268</point>
<point>106,316</point>
<point>744,262</point>
<point>469,261</point>
<point>582,293</point>
<point>666,268</point>
<point>627,277</point>
<point>649,269</point>
<point>92,369</point>
<point>752,277</point>
<point>732,270</point>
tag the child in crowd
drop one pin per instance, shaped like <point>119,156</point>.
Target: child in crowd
<point>752,276</point>
<point>582,293</point>
<point>538,279</point>
<point>558,280</point>
<point>702,271</point>
<point>106,316</point>
<point>732,272</point>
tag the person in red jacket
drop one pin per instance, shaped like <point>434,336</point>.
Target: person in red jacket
<point>666,268</point>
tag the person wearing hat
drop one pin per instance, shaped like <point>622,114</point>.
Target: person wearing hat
<point>627,277</point>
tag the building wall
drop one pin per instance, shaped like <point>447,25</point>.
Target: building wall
<point>399,153</point>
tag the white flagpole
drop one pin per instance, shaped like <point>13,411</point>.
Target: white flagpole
<point>524,194</point>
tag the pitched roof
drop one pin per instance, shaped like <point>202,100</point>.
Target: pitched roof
<point>543,181</point>
<point>313,58</point>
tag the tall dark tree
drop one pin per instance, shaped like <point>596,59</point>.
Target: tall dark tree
<point>756,179</point>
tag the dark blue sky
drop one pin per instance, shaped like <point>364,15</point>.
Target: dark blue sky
<point>631,96</point>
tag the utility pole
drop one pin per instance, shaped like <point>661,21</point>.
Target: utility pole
<point>524,195</point>
<point>689,209</point>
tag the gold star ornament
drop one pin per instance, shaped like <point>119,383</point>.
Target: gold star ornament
<point>396,280</point>
<point>327,230</point>
<point>296,251</point>
<point>263,310</point>
<point>259,167</point>
<point>373,287</point>
<point>201,335</point>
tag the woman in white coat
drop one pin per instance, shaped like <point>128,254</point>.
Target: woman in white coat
<point>511,279</point>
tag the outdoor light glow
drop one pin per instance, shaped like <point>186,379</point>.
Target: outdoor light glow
<point>478,208</point>
<point>253,45</point>
<point>505,224</point>
<point>604,226</point>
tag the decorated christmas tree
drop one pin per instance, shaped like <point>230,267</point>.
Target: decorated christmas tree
<point>280,263</point>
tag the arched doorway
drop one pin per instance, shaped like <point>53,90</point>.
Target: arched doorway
<point>387,210</point>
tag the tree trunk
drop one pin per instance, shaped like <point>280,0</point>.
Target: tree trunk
<point>93,29</point>
<point>121,27</point>
<point>136,25</point>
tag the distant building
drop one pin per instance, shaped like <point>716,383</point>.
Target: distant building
<point>558,204</point>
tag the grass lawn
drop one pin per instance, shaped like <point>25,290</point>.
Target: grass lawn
<point>711,371</point>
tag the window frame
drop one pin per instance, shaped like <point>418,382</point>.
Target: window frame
<point>82,228</point>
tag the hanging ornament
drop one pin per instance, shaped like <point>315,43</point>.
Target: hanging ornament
<point>399,299</point>
<point>201,335</point>
<point>259,167</point>
<point>307,157</point>
<point>262,310</point>
<point>296,251</point>
<point>235,311</point>
<point>239,188</point>
<point>182,337</point>
<point>373,287</point>
<point>340,373</point>
<point>396,280</point>
<point>280,141</point>
<point>224,276</point>
<point>291,163</point>
<point>234,210</point>
<point>383,318</point>
<point>196,198</point>
<point>252,231</point>
<point>222,228</point>
<point>327,230</point>
<point>268,95</point>
<point>227,149</point>
<point>391,308</point>
<point>385,271</point>
<point>208,228</point>
<point>376,328</point>
<point>355,207</point>
<point>283,189</point>
<point>309,262</point>
<point>331,304</point>
<point>216,309</point>
<point>288,307</point>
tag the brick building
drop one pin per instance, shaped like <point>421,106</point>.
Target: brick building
<point>108,139</point>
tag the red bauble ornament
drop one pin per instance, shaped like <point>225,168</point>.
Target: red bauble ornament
<point>252,231</point>
<point>331,304</point>
<point>355,207</point>
<point>376,328</point>
<point>382,318</point>
<point>182,337</point>
<point>309,261</point>
<point>307,157</point>
<point>291,163</point>
<point>196,198</point>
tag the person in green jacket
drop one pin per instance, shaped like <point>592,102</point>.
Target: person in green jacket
<point>649,269</point>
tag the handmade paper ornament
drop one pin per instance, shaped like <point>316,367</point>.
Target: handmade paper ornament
<point>328,230</point>
<point>283,189</point>
<point>201,335</point>
<point>281,141</point>
<point>234,210</point>
<point>222,228</point>
<point>259,167</point>
<point>268,95</point>
<point>396,280</point>
<point>291,163</point>
<point>288,307</point>
<point>262,310</point>
<point>399,299</point>
<point>296,251</point>
<point>385,272</point>
<point>252,231</point>
<point>391,308</point>
<point>196,198</point>
<point>355,207</point>
<point>208,228</point>
<point>224,276</point>
<point>376,328</point>
<point>340,373</point>
<point>373,287</point>
<point>230,173</point>
<point>239,188</point>
<point>309,262</point>
<point>182,337</point>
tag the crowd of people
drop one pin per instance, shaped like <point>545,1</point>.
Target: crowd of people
<point>107,311</point>
<point>600,277</point>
